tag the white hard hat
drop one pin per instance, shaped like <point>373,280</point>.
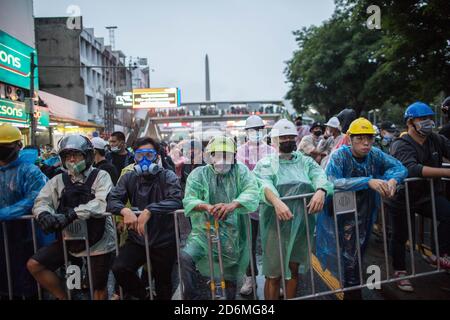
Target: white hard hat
<point>282,128</point>
<point>334,123</point>
<point>254,122</point>
<point>99,143</point>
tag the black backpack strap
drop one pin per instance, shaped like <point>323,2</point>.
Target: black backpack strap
<point>66,179</point>
<point>92,176</point>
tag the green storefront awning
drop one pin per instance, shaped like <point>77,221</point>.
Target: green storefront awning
<point>15,112</point>
<point>15,62</point>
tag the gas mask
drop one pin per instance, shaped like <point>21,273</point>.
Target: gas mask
<point>145,162</point>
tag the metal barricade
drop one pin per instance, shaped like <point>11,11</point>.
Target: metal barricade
<point>77,231</point>
<point>345,203</point>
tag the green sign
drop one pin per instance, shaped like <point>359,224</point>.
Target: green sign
<point>15,62</point>
<point>15,112</point>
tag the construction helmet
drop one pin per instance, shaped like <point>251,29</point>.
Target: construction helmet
<point>9,134</point>
<point>361,126</point>
<point>221,144</point>
<point>334,123</point>
<point>283,128</point>
<point>418,110</point>
<point>76,142</point>
<point>253,122</point>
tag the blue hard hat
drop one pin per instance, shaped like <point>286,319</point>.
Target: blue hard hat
<point>418,110</point>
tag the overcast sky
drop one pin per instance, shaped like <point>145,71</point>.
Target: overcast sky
<point>247,41</point>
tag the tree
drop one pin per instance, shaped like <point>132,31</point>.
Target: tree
<point>332,67</point>
<point>343,63</point>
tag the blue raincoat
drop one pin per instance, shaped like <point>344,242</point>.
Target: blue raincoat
<point>349,174</point>
<point>20,183</point>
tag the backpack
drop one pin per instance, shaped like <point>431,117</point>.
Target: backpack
<point>73,195</point>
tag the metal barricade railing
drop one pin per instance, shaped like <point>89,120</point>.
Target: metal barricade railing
<point>345,203</point>
<point>78,231</point>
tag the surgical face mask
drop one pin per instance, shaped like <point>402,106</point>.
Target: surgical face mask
<point>425,127</point>
<point>317,133</point>
<point>76,168</point>
<point>254,136</point>
<point>387,140</point>
<point>288,146</point>
<point>222,168</point>
<point>115,149</point>
<point>8,153</point>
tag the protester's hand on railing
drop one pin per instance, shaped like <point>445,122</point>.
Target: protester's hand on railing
<point>392,184</point>
<point>317,201</point>
<point>46,221</point>
<point>142,221</point>
<point>380,186</point>
<point>221,210</point>
<point>63,220</point>
<point>129,218</point>
<point>282,211</point>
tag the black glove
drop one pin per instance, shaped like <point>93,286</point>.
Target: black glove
<point>63,220</point>
<point>46,221</point>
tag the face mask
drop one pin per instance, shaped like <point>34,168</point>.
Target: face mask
<point>115,149</point>
<point>425,127</point>
<point>76,168</point>
<point>222,168</point>
<point>288,146</point>
<point>146,167</point>
<point>254,136</point>
<point>386,140</point>
<point>8,154</point>
<point>298,124</point>
<point>318,133</point>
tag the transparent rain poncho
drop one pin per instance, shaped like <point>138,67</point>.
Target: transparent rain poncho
<point>20,184</point>
<point>348,174</point>
<point>205,186</point>
<point>300,175</point>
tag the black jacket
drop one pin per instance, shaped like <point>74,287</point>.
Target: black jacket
<point>160,194</point>
<point>110,168</point>
<point>414,157</point>
<point>128,159</point>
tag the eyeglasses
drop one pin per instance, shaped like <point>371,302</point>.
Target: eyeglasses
<point>77,155</point>
<point>364,138</point>
<point>150,154</point>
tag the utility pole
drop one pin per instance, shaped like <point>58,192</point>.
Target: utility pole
<point>31,102</point>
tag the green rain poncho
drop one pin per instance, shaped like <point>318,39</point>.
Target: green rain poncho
<point>299,175</point>
<point>205,186</point>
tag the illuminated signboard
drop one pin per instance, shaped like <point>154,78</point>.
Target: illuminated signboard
<point>15,62</point>
<point>156,98</point>
<point>125,100</point>
<point>15,112</point>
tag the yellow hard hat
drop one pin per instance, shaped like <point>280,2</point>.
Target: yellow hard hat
<point>9,134</point>
<point>361,126</point>
<point>221,144</point>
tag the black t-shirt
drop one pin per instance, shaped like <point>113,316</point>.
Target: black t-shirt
<point>119,161</point>
<point>108,167</point>
<point>414,157</point>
